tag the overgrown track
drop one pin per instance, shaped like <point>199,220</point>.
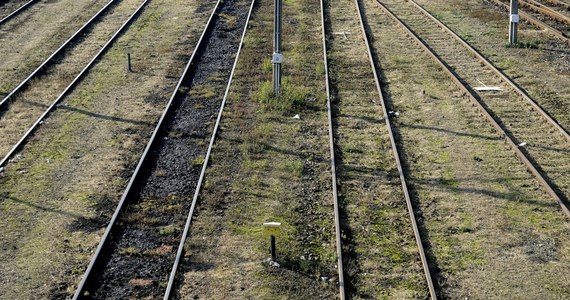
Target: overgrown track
<point>14,12</point>
<point>559,5</point>
<point>337,226</point>
<point>386,118</point>
<point>543,17</point>
<point>136,251</point>
<point>24,138</point>
<point>386,203</point>
<point>51,59</point>
<point>536,138</point>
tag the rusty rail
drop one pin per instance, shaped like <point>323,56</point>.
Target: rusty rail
<point>530,166</point>
<point>525,16</point>
<point>395,150</point>
<point>333,162</point>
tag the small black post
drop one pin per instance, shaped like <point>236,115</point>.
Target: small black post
<point>129,62</point>
<point>273,252</point>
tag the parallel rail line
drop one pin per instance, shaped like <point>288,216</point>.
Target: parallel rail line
<point>342,292</point>
<point>201,46</point>
<point>83,284</point>
<point>396,152</point>
<point>51,58</point>
<point>180,250</point>
<point>495,71</point>
<point>543,9</point>
<point>70,87</point>
<point>535,21</point>
<point>495,121</point>
<point>16,12</point>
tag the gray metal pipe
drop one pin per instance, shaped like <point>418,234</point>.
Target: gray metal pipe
<point>514,22</point>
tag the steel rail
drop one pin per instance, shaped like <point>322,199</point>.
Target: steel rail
<point>505,78</point>
<point>17,11</point>
<point>104,239</point>
<point>530,166</point>
<point>333,162</point>
<point>543,9</point>
<point>559,3</point>
<point>70,87</point>
<point>396,152</point>
<point>180,250</point>
<point>525,16</point>
<point>56,52</point>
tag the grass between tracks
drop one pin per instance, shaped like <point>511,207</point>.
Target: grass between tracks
<point>29,105</point>
<point>492,230</point>
<point>268,166</point>
<point>542,72</point>
<point>380,253</point>
<point>32,36</point>
<point>58,196</point>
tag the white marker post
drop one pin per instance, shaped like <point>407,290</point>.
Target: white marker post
<point>272,229</point>
<point>514,21</point>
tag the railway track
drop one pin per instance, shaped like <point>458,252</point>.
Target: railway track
<point>18,110</point>
<point>133,257</point>
<point>386,117</point>
<point>557,4</point>
<point>13,10</point>
<point>543,17</point>
<point>338,235</point>
<point>52,58</point>
<point>340,131</point>
<point>456,167</point>
<point>524,125</point>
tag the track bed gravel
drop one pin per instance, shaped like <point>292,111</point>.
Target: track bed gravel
<point>144,245</point>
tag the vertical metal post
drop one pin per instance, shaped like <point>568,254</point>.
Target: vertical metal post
<point>514,21</point>
<point>277,57</point>
<point>273,252</point>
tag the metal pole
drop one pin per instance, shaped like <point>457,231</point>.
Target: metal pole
<point>277,57</point>
<point>514,21</point>
<point>273,252</point>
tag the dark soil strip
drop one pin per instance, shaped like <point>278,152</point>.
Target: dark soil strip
<point>143,248</point>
